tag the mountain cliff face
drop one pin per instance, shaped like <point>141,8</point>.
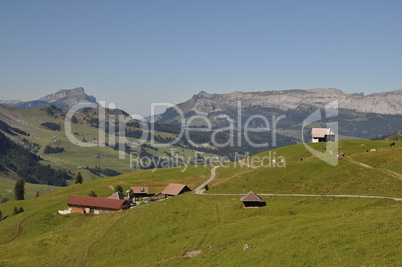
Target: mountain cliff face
<point>63,99</point>
<point>359,115</point>
<point>381,103</point>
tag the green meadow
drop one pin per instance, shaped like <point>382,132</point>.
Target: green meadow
<point>212,230</point>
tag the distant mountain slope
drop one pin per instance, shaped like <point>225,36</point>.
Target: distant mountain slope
<point>42,131</point>
<point>64,99</point>
<point>17,160</point>
<point>381,103</point>
<point>359,116</point>
<point>393,137</point>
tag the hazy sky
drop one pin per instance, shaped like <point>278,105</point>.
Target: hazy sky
<point>133,53</point>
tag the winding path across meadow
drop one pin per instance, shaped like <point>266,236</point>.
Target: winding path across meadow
<point>201,191</point>
<point>387,172</point>
<point>19,230</point>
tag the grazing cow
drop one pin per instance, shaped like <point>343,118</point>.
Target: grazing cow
<point>392,144</point>
<point>277,160</point>
<point>367,150</point>
<point>300,159</point>
<point>340,156</point>
<point>373,150</point>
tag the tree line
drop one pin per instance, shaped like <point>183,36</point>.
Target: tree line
<point>16,158</point>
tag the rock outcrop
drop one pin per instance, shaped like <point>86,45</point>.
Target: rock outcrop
<point>63,99</point>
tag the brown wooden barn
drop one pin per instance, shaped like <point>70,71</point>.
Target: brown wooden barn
<point>252,200</point>
<point>118,195</point>
<point>95,205</point>
<point>140,191</point>
<point>174,190</point>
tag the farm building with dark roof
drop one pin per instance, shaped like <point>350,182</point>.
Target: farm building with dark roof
<point>118,195</point>
<point>252,200</point>
<point>95,205</point>
<point>175,189</point>
<point>139,191</point>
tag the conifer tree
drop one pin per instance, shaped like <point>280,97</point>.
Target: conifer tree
<point>19,190</point>
<point>92,194</point>
<point>119,188</point>
<point>78,178</point>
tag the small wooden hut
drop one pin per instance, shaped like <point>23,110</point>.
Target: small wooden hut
<point>140,191</point>
<point>174,190</point>
<point>252,200</point>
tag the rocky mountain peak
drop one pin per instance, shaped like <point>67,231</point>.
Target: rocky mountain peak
<point>203,103</point>
<point>79,91</point>
<point>64,99</point>
<point>201,94</point>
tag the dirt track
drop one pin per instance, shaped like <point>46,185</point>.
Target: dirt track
<point>19,232</point>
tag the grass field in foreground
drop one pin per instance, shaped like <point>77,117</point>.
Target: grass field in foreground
<point>288,231</point>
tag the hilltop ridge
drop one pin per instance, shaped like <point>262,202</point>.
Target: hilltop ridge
<point>63,99</point>
<point>356,112</point>
<point>381,103</point>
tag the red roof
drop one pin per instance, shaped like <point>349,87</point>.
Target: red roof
<point>95,202</point>
<point>175,189</point>
<point>251,197</point>
<point>140,189</point>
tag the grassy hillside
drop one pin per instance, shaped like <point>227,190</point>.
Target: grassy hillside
<point>313,176</point>
<point>7,187</point>
<point>289,231</point>
<point>74,158</point>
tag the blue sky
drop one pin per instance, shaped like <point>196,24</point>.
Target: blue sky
<point>133,53</point>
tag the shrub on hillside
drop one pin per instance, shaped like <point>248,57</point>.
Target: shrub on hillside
<point>53,150</point>
<point>51,126</point>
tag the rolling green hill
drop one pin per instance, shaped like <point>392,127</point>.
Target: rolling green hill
<point>42,129</point>
<point>211,230</point>
<point>312,176</point>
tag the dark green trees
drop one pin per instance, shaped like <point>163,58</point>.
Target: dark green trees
<point>18,211</point>
<point>19,190</point>
<point>79,179</point>
<point>119,188</point>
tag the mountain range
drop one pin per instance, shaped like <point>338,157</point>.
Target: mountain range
<point>359,116</point>
<point>63,99</point>
<point>381,103</point>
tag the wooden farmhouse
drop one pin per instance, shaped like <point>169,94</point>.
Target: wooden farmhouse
<point>140,191</point>
<point>322,135</point>
<point>118,195</point>
<point>95,205</point>
<point>252,200</point>
<point>174,190</point>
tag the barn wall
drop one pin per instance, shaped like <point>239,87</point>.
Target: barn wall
<point>76,210</point>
